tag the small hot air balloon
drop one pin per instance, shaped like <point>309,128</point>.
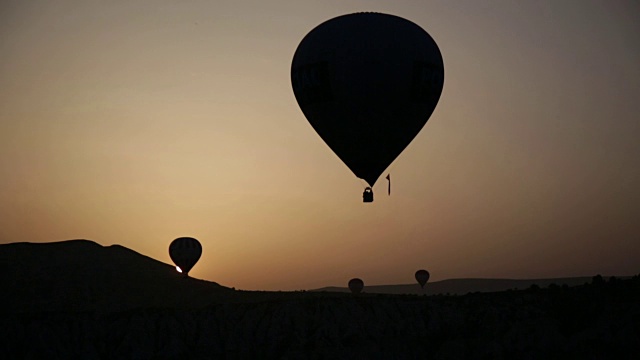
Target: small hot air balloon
<point>367,83</point>
<point>185,253</point>
<point>422,276</point>
<point>356,285</point>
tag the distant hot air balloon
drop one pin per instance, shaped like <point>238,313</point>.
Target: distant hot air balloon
<point>185,253</point>
<point>356,285</point>
<point>367,83</point>
<point>422,276</point>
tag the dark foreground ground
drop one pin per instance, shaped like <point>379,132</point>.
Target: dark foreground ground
<point>600,320</point>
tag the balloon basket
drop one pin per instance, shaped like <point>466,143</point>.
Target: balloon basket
<point>367,195</point>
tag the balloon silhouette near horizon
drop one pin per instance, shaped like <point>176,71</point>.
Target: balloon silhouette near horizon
<point>356,285</point>
<point>367,83</point>
<point>185,253</point>
<point>422,276</point>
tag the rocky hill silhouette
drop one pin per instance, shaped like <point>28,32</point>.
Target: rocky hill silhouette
<point>80,300</point>
<point>81,275</point>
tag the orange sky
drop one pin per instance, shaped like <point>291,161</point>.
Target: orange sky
<point>136,122</point>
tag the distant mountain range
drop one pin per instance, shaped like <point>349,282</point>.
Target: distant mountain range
<point>81,275</point>
<point>465,286</point>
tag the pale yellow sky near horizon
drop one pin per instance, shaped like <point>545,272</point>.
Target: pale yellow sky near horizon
<point>136,122</point>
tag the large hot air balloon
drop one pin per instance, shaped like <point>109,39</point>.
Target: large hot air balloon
<point>367,83</point>
<point>356,285</point>
<point>422,276</point>
<point>185,253</point>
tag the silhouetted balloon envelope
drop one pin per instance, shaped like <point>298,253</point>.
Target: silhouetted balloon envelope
<point>422,276</point>
<point>185,253</point>
<point>367,83</point>
<point>356,285</point>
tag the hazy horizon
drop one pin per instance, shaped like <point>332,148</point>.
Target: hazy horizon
<point>135,123</point>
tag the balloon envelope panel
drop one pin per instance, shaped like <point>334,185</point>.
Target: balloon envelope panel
<point>367,83</point>
<point>185,253</point>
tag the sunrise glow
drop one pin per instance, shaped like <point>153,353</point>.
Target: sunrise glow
<point>138,122</point>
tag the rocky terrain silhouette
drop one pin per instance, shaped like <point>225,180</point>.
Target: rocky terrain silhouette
<point>77,299</point>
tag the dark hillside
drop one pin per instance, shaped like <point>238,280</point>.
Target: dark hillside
<point>80,275</point>
<point>79,300</point>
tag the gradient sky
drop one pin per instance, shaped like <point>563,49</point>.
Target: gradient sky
<point>136,122</point>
